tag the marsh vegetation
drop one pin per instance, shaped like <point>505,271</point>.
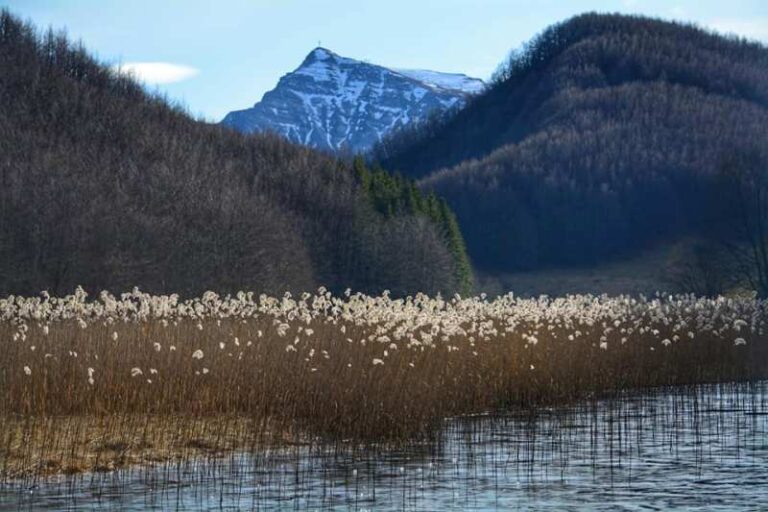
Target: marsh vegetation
<point>698,447</point>
<point>98,384</point>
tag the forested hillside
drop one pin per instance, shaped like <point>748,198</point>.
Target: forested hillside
<point>106,186</point>
<point>604,135</point>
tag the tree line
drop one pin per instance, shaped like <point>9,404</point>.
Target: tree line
<point>393,195</point>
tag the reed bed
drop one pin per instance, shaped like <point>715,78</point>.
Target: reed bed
<point>97,384</point>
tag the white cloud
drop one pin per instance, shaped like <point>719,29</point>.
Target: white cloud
<point>751,28</point>
<point>157,72</point>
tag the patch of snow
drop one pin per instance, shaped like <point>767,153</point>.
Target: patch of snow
<point>321,53</point>
<point>448,103</point>
<point>449,81</point>
<point>419,93</point>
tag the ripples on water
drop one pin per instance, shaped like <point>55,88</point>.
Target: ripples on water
<point>704,448</point>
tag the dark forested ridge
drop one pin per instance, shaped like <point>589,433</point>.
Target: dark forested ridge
<point>603,135</point>
<point>106,186</point>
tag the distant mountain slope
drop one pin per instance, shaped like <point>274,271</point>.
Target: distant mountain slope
<point>603,136</point>
<point>448,81</point>
<point>106,186</point>
<point>335,103</point>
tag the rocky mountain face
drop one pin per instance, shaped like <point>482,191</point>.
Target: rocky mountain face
<point>338,104</point>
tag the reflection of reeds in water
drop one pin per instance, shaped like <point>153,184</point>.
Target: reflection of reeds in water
<point>105,384</point>
<point>694,446</point>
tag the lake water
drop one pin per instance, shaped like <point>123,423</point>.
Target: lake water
<point>685,449</point>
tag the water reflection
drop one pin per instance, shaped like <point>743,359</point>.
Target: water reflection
<point>704,448</point>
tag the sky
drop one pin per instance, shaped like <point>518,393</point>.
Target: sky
<point>214,56</point>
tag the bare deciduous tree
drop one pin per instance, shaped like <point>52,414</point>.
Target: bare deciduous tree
<point>744,187</point>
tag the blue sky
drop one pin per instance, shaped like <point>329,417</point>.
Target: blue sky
<point>217,56</point>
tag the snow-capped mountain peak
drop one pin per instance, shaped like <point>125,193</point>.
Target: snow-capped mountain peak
<point>320,53</point>
<point>337,103</point>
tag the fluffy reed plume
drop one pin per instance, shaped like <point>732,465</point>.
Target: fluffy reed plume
<point>80,376</point>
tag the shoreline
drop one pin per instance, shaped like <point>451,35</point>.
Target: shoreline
<point>43,447</point>
<point>91,445</point>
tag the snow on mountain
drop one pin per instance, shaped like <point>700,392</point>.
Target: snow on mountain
<point>335,103</point>
<point>449,81</point>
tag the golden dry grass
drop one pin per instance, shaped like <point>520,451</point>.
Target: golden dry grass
<point>47,445</point>
<point>160,380</point>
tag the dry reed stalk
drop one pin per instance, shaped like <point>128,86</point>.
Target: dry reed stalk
<point>220,374</point>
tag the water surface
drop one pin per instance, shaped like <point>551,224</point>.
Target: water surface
<point>704,448</point>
